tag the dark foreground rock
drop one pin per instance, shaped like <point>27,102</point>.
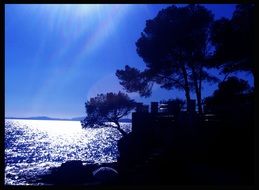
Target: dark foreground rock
<point>75,173</point>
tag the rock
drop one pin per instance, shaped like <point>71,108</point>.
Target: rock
<point>105,174</point>
<point>73,164</point>
<point>71,172</point>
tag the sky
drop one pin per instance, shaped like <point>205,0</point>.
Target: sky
<point>58,56</point>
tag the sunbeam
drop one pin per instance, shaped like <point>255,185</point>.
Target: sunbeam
<point>89,27</point>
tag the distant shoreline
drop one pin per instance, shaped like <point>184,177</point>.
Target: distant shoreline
<point>41,118</point>
<point>57,119</point>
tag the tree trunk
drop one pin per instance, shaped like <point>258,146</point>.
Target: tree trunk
<point>197,85</point>
<point>120,129</point>
<point>197,90</point>
<point>198,94</point>
<point>186,89</point>
<point>200,98</point>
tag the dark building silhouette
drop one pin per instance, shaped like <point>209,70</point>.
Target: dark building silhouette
<point>190,145</point>
<point>152,130</point>
<point>154,107</point>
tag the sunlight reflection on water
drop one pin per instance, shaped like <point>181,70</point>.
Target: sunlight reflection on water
<point>33,146</point>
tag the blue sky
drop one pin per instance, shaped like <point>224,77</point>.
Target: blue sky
<point>58,56</point>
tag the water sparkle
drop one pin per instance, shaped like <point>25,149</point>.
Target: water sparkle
<point>34,146</point>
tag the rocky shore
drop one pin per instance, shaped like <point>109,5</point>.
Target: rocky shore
<point>76,173</point>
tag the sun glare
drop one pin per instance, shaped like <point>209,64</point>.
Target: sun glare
<point>82,26</point>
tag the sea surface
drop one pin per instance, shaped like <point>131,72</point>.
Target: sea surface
<point>34,146</point>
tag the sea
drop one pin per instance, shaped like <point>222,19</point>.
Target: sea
<point>32,147</point>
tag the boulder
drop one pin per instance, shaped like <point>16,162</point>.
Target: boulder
<point>105,174</point>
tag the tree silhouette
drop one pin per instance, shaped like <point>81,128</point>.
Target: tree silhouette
<point>107,108</point>
<point>133,80</point>
<point>233,86</point>
<point>230,93</point>
<point>174,47</point>
<point>234,40</point>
